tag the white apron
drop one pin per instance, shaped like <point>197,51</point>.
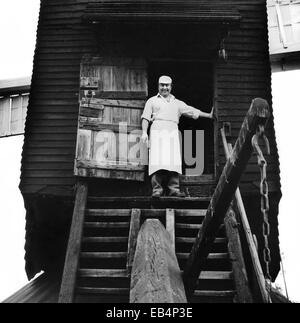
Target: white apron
<point>164,151</point>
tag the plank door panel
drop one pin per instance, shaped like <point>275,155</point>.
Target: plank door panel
<point>113,92</point>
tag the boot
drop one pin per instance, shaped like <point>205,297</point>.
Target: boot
<point>156,182</point>
<point>173,185</point>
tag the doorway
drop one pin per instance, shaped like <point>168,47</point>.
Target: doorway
<point>193,83</point>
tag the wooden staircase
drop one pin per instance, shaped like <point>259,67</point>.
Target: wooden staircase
<point>103,274</point>
<point>104,235</point>
<point>215,283</point>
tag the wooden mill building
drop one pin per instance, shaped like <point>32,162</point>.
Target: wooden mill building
<point>95,64</point>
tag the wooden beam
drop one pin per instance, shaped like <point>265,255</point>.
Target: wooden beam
<point>258,274</point>
<point>135,224</point>
<point>237,259</point>
<point>170,225</point>
<point>156,276</point>
<point>258,114</point>
<point>67,289</point>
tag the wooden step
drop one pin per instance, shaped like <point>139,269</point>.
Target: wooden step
<point>215,280</point>
<point>103,260</point>
<point>190,213</point>
<point>193,226</point>
<point>216,275</point>
<point>108,212</point>
<point>107,225</point>
<point>145,199</point>
<point>192,240</point>
<point>147,202</point>
<point>104,244</point>
<point>103,290</point>
<point>190,230</point>
<point>101,255</point>
<point>105,240</point>
<point>103,273</point>
<point>214,262</point>
<point>153,213</point>
<point>214,293</point>
<point>211,256</point>
<point>105,229</point>
<point>103,278</point>
<point>213,296</point>
<point>184,244</point>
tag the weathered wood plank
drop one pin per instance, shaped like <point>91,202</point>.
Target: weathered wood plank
<point>105,240</point>
<point>104,80</point>
<point>103,273</point>
<point>156,276</point>
<point>96,124</point>
<point>170,225</point>
<point>215,293</point>
<point>237,259</point>
<point>106,173</point>
<point>224,192</point>
<point>220,255</point>
<point>103,255</point>
<point>135,224</point>
<point>115,165</point>
<point>105,291</point>
<point>192,240</point>
<point>190,212</point>
<point>67,289</point>
<point>108,212</point>
<point>96,102</point>
<point>106,225</point>
<point>188,226</point>
<point>257,270</point>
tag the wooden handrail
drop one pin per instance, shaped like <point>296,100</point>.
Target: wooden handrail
<point>258,114</point>
<point>258,273</point>
<point>67,288</point>
<point>243,293</point>
<point>135,224</point>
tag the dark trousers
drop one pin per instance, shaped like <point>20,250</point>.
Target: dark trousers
<point>164,179</point>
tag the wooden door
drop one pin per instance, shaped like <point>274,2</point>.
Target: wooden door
<point>113,92</point>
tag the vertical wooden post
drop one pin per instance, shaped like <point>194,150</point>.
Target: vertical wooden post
<point>170,225</point>
<point>156,276</point>
<point>259,278</point>
<point>67,289</point>
<point>135,224</point>
<point>237,259</point>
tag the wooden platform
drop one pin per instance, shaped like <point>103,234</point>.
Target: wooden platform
<point>149,202</point>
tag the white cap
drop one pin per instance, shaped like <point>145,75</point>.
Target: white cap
<point>165,79</point>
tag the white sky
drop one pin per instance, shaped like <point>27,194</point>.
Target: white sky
<point>18,22</point>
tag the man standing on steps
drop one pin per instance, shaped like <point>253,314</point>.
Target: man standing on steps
<point>164,110</point>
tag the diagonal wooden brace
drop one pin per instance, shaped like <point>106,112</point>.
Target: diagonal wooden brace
<point>258,114</point>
